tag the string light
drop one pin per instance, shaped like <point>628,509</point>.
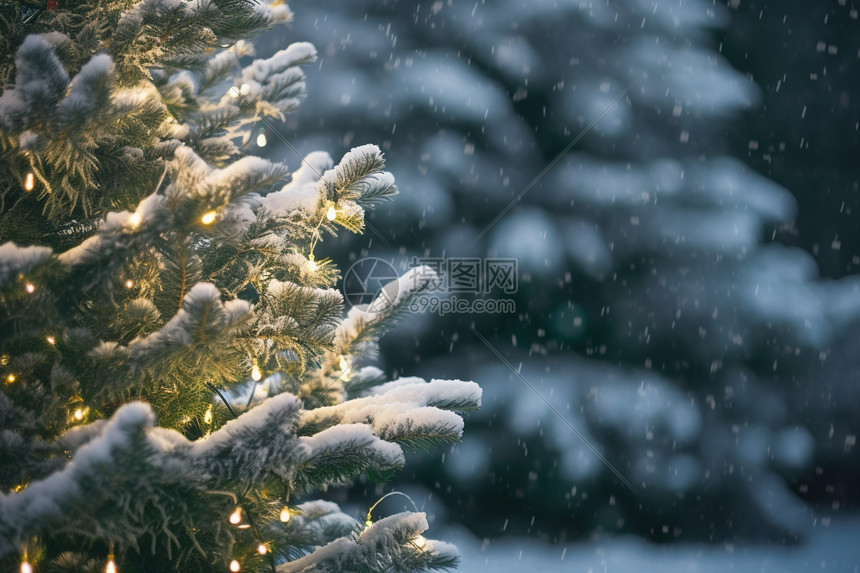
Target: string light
<point>207,417</point>
<point>30,288</point>
<point>134,220</point>
<point>245,89</point>
<point>26,567</point>
<point>208,218</point>
<point>244,526</point>
<point>234,566</point>
<point>236,516</point>
<point>285,514</point>
<point>111,564</point>
<point>331,214</point>
<point>262,549</point>
<point>129,283</point>
<point>29,181</point>
<point>419,542</point>
<point>367,523</point>
<point>79,414</point>
<point>256,375</point>
<point>312,264</point>
<point>51,340</point>
<point>261,140</point>
<point>11,378</point>
<point>234,92</point>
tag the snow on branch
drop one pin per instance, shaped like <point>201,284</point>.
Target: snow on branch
<point>101,477</point>
<point>316,523</point>
<point>15,260</point>
<point>202,318</point>
<point>340,453</point>
<point>413,415</point>
<point>40,82</point>
<point>391,544</point>
<point>359,177</point>
<point>301,192</point>
<point>384,311</point>
<point>261,441</point>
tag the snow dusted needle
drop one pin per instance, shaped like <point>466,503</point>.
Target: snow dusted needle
<point>557,413</point>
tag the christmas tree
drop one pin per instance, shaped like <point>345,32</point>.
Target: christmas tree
<point>177,377</point>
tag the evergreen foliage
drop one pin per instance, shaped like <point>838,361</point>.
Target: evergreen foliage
<point>149,267</point>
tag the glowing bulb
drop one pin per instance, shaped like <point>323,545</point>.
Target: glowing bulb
<point>236,516</point>
<point>244,526</point>
<point>111,565</point>
<point>208,218</point>
<point>11,378</point>
<point>285,514</point>
<point>331,214</point>
<point>345,366</point>
<point>262,549</point>
<point>129,283</point>
<point>234,92</point>
<point>79,414</point>
<point>29,181</point>
<point>261,140</point>
<point>26,567</point>
<point>312,264</point>
<point>51,340</point>
<point>419,542</point>
<point>134,220</point>
<point>30,288</point>
<point>245,89</point>
<point>368,523</point>
<point>234,566</point>
<point>208,416</point>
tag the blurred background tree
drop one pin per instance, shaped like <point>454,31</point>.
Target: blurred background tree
<point>670,302</point>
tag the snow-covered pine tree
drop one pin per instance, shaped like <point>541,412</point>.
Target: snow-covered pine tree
<point>151,272</point>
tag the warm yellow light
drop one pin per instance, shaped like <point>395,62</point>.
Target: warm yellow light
<point>26,567</point>
<point>312,264</point>
<point>245,89</point>
<point>285,514</point>
<point>244,526</point>
<point>234,92</point>
<point>234,566</point>
<point>79,414</point>
<point>129,283</point>
<point>261,140</point>
<point>345,366</point>
<point>30,288</point>
<point>111,565</point>
<point>367,523</point>
<point>208,218</point>
<point>262,549</point>
<point>29,181</point>
<point>419,542</point>
<point>134,220</point>
<point>331,214</point>
<point>208,416</point>
<point>236,516</point>
<point>256,374</point>
<point>51,340</point>
<point>11,378</point>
